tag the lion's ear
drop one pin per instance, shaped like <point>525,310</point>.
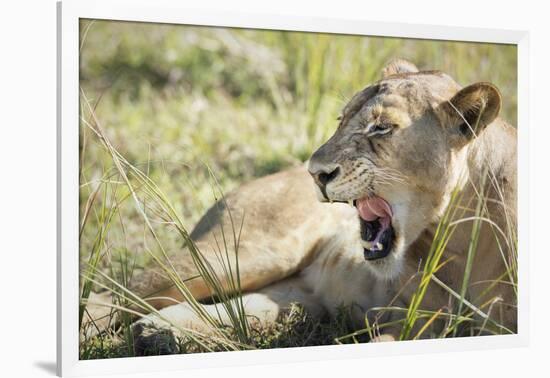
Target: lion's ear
<point>398,66</point>
<point>469,111</point>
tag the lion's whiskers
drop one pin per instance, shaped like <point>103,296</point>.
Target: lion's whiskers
<point>388,176</point>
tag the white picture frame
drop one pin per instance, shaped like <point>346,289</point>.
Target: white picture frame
<point>160,11</point>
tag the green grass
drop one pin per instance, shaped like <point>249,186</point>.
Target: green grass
<point>175,116</point>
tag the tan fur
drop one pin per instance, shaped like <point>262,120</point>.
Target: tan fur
<point>294,248</point>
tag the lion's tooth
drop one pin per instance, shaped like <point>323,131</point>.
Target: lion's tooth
<point>367,244</point>
<point>370,245</point>
<point>350,202</point>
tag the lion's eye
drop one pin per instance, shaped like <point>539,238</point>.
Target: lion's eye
<point>380,129</point>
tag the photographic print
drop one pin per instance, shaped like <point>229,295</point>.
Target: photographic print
<point>245,189</point>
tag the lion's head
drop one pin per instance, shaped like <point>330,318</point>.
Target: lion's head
<point>399,152</point>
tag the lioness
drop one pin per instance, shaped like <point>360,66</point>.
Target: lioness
<point>355,227</point>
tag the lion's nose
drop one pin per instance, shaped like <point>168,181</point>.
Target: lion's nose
<point>323,174</point>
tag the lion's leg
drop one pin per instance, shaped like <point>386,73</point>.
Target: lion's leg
<point>154,286</point>
<point>153,333</point>
<point>271,235</point>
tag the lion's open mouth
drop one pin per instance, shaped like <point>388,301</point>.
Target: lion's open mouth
<point>377,233</point>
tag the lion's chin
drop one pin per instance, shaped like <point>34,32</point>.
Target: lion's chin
<point>382,249</point>
<point>388,267</point>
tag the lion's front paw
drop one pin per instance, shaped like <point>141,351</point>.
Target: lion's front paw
<point>150,340</point>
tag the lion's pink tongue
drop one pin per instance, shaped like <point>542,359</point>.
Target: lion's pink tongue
<point>373,208</point>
